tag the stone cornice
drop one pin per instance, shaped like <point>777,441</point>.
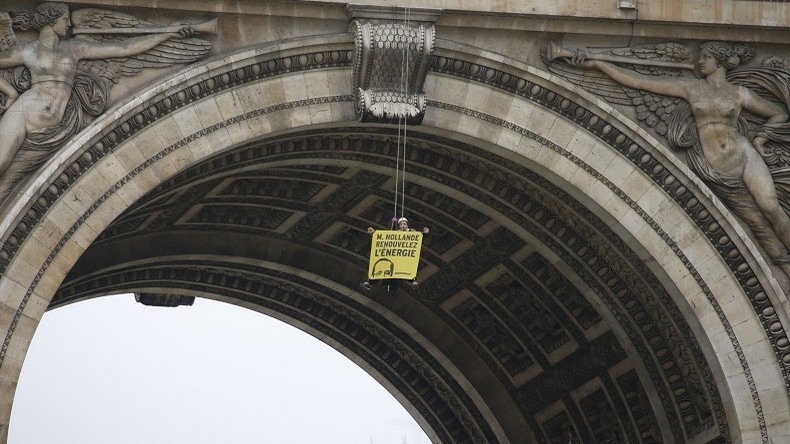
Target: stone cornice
<point>696,19</point>
<point>392,13</point>
<point>497,74</point>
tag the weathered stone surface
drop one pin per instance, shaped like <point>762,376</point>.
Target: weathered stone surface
<point>580,282</point>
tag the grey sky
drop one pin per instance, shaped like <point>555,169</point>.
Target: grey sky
<point>110,370</point>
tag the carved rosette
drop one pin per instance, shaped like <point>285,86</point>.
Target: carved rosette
<point>390,66</point>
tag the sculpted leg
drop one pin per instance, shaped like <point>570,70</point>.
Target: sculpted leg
<point>12,134</point>
<point>741,201</point>
<point>760,183</point>
<point>782,277</point>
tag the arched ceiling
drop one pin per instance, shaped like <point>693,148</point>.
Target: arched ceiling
<point>558,326</point>
<point>541,317</point>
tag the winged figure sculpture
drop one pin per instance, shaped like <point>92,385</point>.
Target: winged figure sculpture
<point>731,123</point>
<point>52,87</point>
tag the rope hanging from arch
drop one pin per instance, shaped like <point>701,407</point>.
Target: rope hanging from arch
<point>400,160</point>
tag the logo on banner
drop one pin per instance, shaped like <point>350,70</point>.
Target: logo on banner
<point>394,254</point>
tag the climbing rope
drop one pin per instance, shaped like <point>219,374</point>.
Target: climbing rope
<point>400,162</point>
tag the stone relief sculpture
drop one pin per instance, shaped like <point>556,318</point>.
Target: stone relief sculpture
<point>732,125</point>
<point>53,86</point>
<point>390,67</point>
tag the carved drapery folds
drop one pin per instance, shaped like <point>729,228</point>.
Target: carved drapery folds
<point>45,104</point>
<point>732,124</point>
<point>390,65</point>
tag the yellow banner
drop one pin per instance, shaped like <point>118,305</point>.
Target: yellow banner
<point>394,254</point>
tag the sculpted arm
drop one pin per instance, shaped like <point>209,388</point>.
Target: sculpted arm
<point>765,108</point>
<point>8,89</point>
<point>125,48</point>
<point>11,58</point>
<point>11,94</point>
<point>675,87</point>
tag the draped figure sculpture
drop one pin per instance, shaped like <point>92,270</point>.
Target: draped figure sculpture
<point>733,128</point>
<point>53,85</point>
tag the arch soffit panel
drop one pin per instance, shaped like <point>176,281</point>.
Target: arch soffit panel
<point>549,217</point>
<point>568,108</point>
<point>67,238</point>
<point>681,190</point>
<point>366,148</point>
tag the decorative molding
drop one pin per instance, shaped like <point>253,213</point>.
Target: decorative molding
<point>580,253</point>
<point>163,300</point>
<point>497,78</point>
<point>673,186</point>
<point>393,13</point>
<point>630,289</point>
<point>390,66</point>
<point>72,94</point>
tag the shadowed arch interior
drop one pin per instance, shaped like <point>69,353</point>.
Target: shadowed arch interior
<point>518,279</point>
<point>539,316</point>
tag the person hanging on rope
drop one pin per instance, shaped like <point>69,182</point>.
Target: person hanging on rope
<point>403,225</point>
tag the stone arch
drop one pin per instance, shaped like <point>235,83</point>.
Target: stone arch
<point>563,188</point>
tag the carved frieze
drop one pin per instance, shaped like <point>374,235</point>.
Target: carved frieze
<point>731,125</point>
<point>559,429</point>
<point>541,274</point>
<point>502,343</point>
<point>528,307</point>
<point>558,103</point>
<point>643,159</point>
<point>639,406</point>
<point>53,87</point>
<point>509,328</point>
<point>604,421</point>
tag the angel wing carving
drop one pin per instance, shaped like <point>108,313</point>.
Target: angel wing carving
<point>742,157</point>
<point>18,77</point>
<point>7,36</point>
<point>168,53</point>
<point>652,109</point>
<point>107,46</point>
<point>7,40</point>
